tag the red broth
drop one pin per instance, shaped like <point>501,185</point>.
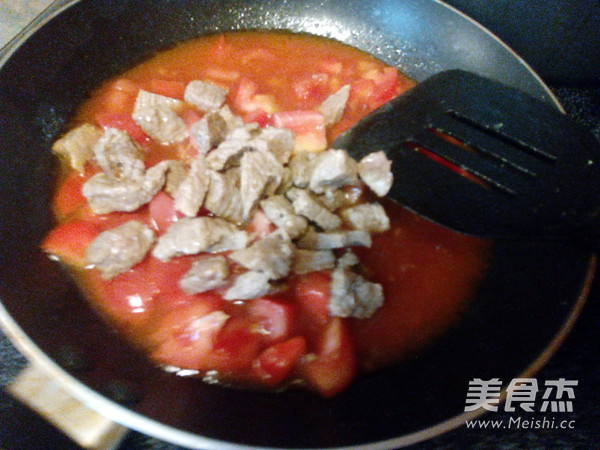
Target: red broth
<point>428,273</point>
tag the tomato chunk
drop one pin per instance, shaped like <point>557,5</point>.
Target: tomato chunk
<point>275,318</point>
<point>334,366</point>
<point>312,292</point>
<point>162,211</point>
<point>69,196</point>
<point>168,88</point>
<point>68,241</point>
<point>307,126</point>
<point>277,362</point>
<point>123,121</point>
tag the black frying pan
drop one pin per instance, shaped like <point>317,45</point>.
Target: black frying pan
<point>527,302</point>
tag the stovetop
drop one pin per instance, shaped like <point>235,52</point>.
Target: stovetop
<point>577,359</point>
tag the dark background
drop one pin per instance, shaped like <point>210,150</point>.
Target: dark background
<point>560,39</point>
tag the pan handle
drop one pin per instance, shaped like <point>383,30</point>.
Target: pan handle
<point>89,429</point>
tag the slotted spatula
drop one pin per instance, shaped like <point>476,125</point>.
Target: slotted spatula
<point>485,159</point>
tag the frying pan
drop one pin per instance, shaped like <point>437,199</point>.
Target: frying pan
<point>529,299</point>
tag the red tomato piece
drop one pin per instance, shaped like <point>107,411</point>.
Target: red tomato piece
<point>307,126</point>
<point>68,241</point>
<point>274,317</point>
<point>162,211</point>
<point>69,196</point>
<point>168,88</point>
<point>187,336</point>
<point>386,85</point>
<point>361,92</point>
<point>260,116</point>
<point>260,225</point>
<point>334,366</point>
<point>123,121</point>
<point>277,362</point>
<point>235,348</point>
<point>243,92</point>
<point>312,90</point>
<point>119,96</point>
<point>312,293</point>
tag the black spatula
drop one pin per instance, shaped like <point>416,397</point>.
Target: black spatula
<point>485,159</point>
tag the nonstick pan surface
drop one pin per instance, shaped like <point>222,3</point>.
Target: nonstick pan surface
<point>530,296</point>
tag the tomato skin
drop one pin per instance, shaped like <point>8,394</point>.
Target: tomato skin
<point>68,241</point>
<point>312,89</point>
<point>235,348</point>
<point>277,362</point>
<point>334,366</point>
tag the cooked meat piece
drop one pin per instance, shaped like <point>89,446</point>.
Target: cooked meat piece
<point>305,205</point>
<point>333,199</point>
<point>223,198</point>
<point>302,164</point>
<point>205,96</point>
<point>348,259</point>
<point>119,156</point>
<point>280,211</point>
<point>375,170</point>
<point>78,145</point>
<point>175,175</point>
<point>353,296</point>
<point>157,175</point>
<point>206,273</point>
<point>336,239</point>
<point>157,116</point>
<point>333,107</point>
<point>208,132</point>
<point>231,119</point>
<point>333,169</point>
<point>306,261</point>
<point>247,286</point>
<point>261,174</point>
<point>192,191</point>
<point>115,251</point>
<point>245,132</point>
<point>367,217</point>
<point>192,235</point>
<point>280,142</point>
<point>227,154</point>
<point>106,194</point>
<point>271,255</point>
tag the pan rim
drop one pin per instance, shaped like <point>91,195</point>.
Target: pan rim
<point>149,426</point>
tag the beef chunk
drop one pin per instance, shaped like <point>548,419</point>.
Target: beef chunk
<point>367,217</point>
<point>248,285</point>
<point>375,170</point>
<point>336,239</point>
<point>261,174</point>
<point>333,199</point>
<point>305,205</point>
<point>205,96</point>
<point>78,145</point>
<point>333,107</point>
<point>302,164</point>
<point>306,261</point>
<point>223,198</point>
<point>280,142</point>
<point>106,194</point>
<point>227,154</point>
<point>280,211</point>
<point>352,295</point>
<point>333,169</point>
<point>208,132</point>
<point>175,175</point>
<point>192,190</point>
<point>157,116</point>
<point>231,119</point>
<point>119,156</point>
<point>206,273</point>
<point>115,251</point>
<point>271,255</point>
<point>192,235</point>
